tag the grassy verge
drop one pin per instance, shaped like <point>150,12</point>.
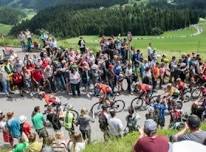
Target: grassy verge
<point>124,144</point>
<point>4,28</point>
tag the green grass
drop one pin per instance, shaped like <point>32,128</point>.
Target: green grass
<point>121,145</point>
<point>170,43</point>
<point>124,144</point>
<point>4,29</point>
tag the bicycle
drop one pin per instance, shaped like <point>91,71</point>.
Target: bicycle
<point>117,105</point>
<point>137,102</point>
<point>62,109</point>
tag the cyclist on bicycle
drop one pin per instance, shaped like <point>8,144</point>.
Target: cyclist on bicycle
<point>104,91</point>
<point>144,89</point>
<point>171,92</point>
<point>181,86</point>
<point>50,99</point>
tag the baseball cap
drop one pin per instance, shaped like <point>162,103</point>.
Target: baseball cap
<point>22,119</point>
<point>150,125</point>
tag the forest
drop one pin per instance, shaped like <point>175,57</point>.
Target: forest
<point>67,22</point>
<point>11,16</point>
<point>42,4</point>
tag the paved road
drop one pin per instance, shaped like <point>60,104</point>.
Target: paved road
<point>25,105</point>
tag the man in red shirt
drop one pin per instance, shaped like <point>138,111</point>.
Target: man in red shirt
<point>149,141</point>
<point>25,126</point>
<point>37,77</point>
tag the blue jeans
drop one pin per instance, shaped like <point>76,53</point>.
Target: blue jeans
<point>60,82</point>
<point>5,86</point>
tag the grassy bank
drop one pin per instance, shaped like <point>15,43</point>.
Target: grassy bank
<point>124,144</point>
<point>170,43</point>
<point>4,28</point>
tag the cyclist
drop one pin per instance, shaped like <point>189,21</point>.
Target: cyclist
<point>50,99</point>
<point>171,92</point>
<point>181,86</point>
<point>104,91</point>
<point>199,107</point>
<point>144,89</point>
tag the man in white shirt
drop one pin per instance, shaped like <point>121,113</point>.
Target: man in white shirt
<point>115,125</point>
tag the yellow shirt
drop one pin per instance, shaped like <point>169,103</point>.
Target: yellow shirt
<point>34,147</point>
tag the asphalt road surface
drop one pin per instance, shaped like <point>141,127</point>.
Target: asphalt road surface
<point>24,106</point>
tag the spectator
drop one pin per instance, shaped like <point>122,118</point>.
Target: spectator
<point>59,144</point>
<point>47,147</point>
<point>103,122</point>
<point>25,126</point>
<point>188,146</point>
<point>13,125</point>
<point>21,146</point>
<point>132,120</point>
<point>75,81</point>
<point>76,144</point>
<point>115,125</point>
<point>84,125</point>
<point>149,141</point>
<point>193,126</point>
<point>82,45</point>
<point>34,145</point>
<point>39,123</point>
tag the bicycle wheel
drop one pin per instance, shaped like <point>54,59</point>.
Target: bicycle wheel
<point>196,93</point>
<point>137,103</point>
<point>118,105</point>
<point>95,109</point>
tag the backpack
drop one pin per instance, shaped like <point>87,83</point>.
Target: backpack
<point>17,78</point>
<point>103,124</point>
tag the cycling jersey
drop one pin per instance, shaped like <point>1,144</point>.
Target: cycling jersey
<point>50,99</point>
<point>173,91</point>
<point>180,85</point>
<point>145,88</point>
<point>105,89</point>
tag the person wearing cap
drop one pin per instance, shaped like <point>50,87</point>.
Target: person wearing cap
<point>149,141</point>
<point>191,131</point>
<point>84,124</point>
<point>25,126</point>
<point>115,125</point>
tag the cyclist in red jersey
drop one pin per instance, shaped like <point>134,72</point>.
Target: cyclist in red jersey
<point>50,99</point>
<point>105,91</point>
<point>144,89</point>
<point>181,86</point>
